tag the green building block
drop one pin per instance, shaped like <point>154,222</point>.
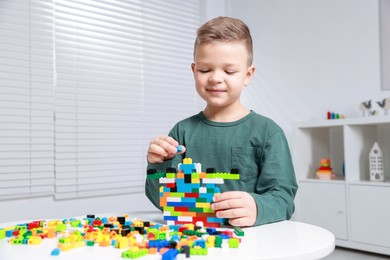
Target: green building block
<point>233,242</point>
<point>18,241</point>
<point>218,241</point>
<point>2,233</point>
<point>189,232</point>
<point>198,251</point>
<point>90,243</point>
<point>135,254</point>
<point>61,227</point>
<point>75,223</point>
<point>177,195</point>
<point>239,232</point>
<point>170,175</point>
<point>157,175</point>
<point>63,240</point>
<point>227,176</point>
<point>161,235</point>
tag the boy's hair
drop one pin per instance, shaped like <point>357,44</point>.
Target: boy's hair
<point>225,29</point>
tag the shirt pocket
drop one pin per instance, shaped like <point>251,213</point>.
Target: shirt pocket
<point>246,159</point>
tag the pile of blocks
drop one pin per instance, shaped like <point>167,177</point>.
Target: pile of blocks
<point>135,237</point>
<point>187,194</point>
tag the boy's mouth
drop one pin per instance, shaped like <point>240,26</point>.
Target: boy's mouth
<point>215,91</point>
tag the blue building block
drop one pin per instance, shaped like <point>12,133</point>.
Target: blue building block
<point>55,251</point>
<point>200,242</point>
<point>174,218</point>
<point>158,243</point>
<point>170,254</point>
<point>188,168</point>
<point>211,231</point>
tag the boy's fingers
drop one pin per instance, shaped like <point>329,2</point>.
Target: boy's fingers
<point>241,222</point>
<point>169,140</point>
<point>227,195</point>
<point>232,213</point>
<point>227,204</point>
<point>157,149</point>
<point>165,144</point>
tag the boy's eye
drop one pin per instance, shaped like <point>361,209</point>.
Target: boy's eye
<point>229,72</point>
<point>204,71</point>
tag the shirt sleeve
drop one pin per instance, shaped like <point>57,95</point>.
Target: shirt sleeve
<point>276,186</point>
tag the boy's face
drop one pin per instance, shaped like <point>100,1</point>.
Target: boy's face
<point>221,72</point>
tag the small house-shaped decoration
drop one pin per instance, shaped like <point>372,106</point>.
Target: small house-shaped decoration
<point>376,163</point>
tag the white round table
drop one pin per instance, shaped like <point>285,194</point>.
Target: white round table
<point>288,240</point>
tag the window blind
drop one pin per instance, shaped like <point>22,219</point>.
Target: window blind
<point>122,76</point>
<point>84,86</point>
<point>26,99</point>
<point>169,35</point>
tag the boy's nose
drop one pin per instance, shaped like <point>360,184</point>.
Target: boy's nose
<point>216,77</point>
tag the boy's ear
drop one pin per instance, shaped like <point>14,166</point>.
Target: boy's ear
<point>249,75</point>
<point>193,67</point>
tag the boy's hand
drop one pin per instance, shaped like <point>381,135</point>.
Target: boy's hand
<point>238,206</point>
<point>163,148</point>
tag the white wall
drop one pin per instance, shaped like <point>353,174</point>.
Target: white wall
<point>311,57</point>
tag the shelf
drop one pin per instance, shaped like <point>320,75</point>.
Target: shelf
<point>313,144</point>
<point>321,123</point>
<point>342,180</point>
<point>347,205</point>
<point>313,180</point>
<point>371,183</point>
<point>369,120</point>
<point>346,142</point>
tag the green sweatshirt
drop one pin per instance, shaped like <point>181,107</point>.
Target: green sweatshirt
<point>255,145</point>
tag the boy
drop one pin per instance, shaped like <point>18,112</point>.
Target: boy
<point>227,135</point>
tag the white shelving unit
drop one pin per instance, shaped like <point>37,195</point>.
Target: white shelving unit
<point>351,206</point>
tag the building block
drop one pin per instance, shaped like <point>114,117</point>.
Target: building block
<point>233,242</point>
<point>135,253</point>
<point>55,251</point>
<point>239,232</point>
<point>186,195</point>
<point>198,251</point>
<point>170,254</point>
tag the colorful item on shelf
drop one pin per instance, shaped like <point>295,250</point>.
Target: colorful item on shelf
<point>325,172</point>
<point>331,115</point>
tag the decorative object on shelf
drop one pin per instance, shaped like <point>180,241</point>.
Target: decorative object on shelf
<point>325,172</point>
<point>385,105</point>
<point>331,115</point>
<point>376,163</point>
<point>366,108</point>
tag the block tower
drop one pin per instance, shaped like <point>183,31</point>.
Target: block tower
<point>186,194</point>
<point>325,172</point>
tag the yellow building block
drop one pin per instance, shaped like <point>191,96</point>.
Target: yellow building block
<point>204,205</point>
<point>187,161</point>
